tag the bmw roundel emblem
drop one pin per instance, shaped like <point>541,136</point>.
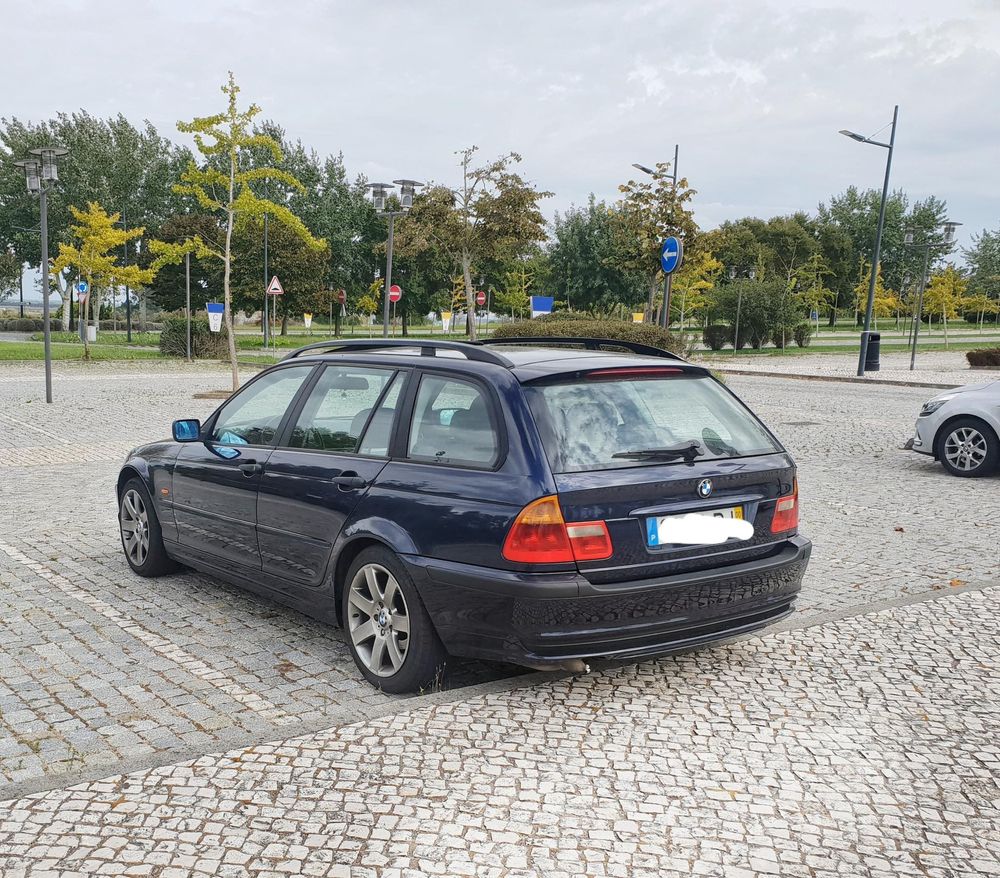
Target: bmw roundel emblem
<point>705,488</point>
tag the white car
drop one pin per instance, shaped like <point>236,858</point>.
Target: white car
<point>961,428</point>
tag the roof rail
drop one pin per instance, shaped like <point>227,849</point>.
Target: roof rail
<point>427,348</point>
<point>590,344</point>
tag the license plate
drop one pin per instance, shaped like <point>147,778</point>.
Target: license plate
<point>709,527</point>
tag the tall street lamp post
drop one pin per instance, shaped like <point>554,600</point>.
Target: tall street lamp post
<point>40,172</point>
<point>878,232</point>
<point>946,241</point>
<point>667,278</point>
<point>380,196</point>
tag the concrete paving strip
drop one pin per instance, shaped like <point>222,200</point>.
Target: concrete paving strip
<point>289,727</point>
<point>840,378</point>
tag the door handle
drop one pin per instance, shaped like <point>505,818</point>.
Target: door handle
<point>251,468</point>
<point>349,481</point>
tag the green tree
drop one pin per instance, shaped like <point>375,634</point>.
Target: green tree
<point>810,285</point>
<point>514,295</point>
<point>10,273</point>
<point>762,307</point>
<point>223,185</point>
<point>693,285</point>
<point>168,290</point>
<point>945,296</point>
<point>648,211</point>
<point>983,260</point>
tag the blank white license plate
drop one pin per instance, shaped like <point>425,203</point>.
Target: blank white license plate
<point>698,528</point>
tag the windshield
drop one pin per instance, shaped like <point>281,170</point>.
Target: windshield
<point>618,422</point>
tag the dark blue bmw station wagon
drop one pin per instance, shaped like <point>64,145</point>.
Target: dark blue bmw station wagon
<point>540,502</point>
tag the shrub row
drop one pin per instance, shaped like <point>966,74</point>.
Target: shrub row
<point>984,357</point>
<point>205,344</point>
<point>28,324</point>
<point>577,327</point>
<point>716,336</point>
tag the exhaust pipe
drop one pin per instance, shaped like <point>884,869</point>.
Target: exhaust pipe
<point>573,666</point>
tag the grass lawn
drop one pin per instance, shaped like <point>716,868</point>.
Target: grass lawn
<point>30,350</point>
<point>151,339</point>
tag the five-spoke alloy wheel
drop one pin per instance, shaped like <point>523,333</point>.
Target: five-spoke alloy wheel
<point>389,633</point>
<point>968,447</point>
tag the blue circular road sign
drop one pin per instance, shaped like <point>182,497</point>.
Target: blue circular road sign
<point>671,253</point>
<point>82,286</point>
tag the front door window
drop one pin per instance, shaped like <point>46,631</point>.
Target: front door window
<point>253,416</point>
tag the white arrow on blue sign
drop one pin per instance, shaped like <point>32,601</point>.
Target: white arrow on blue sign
<point>671,253</point>
<point>82,286</point>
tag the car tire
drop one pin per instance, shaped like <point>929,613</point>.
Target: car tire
<point>142,539</point>
<point>968,447</point>
<point>388,631</point>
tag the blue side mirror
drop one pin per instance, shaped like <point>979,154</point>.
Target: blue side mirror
<point>187,430</point>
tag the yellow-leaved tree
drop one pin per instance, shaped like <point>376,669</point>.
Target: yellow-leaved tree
<point>945,296</point>
<point>692,284</point>
<point>221,184</point>
<point>98,237</point>
<point>886,302</point>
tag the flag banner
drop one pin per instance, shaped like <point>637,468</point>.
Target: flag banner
<point>307,319</point>
<point>445,321</point>
<point>541,305</point>
<point>637,316</point>
<point>215,310</point>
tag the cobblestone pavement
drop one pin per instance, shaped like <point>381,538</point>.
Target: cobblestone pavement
<point>948,368</point>
<point>865,747</point>
<point>105,672</point>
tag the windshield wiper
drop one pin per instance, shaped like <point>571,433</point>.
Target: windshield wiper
<point>689,451</point>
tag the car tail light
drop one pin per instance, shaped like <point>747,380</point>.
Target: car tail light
<point>632,372</point>
<point>540,535</point>
<point>786,511</point>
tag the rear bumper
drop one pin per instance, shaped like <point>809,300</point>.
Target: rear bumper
<point>543,619</point>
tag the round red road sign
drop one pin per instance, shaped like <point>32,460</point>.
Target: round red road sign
<point>395,293</point>
<point>480,298</point>
<point>341,296</point>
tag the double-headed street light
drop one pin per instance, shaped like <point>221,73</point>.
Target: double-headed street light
<point>380,198</point>
<point>40,172</point>
<point>863,355</point>
<point>947,239</point>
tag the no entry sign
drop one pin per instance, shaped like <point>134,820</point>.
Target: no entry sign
<point>395,293</point>
<point>341,296</point>
<point>480,298</point>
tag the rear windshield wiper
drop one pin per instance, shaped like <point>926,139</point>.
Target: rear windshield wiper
<point>689,451</point>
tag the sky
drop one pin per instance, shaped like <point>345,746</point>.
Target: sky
<point>753,92</point>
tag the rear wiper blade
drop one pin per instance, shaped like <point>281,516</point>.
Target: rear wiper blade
<point>689,451</point>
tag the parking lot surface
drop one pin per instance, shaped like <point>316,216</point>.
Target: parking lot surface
<point>105,672</point>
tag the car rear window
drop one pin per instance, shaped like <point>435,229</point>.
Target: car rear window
<point>614,422</point>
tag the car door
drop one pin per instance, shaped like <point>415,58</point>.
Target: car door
<point>333,448</point>
<point>215,481</point>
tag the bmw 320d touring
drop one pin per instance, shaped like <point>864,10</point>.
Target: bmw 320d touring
<point>535,502</point>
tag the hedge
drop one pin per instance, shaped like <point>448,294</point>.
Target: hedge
<point>614,330</point>
<point>716,336</point>
<point>205,344</point>
<point>28,324</point>
<point>989,357</point>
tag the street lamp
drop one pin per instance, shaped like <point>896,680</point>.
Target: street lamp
<point>667,278</point>
<point>40,172</point>
<point>863,354</point>
<point>380,199</point>
<point>947,239</point>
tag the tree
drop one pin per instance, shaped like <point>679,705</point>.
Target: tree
<point>168,290</point>
<point>10,273</point>
<point>222,185</point>
<point>945,296</point>
<point>493,217</point>
<point>761,306</point>
<point>810,285</point>
<point>92,258</point>
<point>693,284</point>
<point>513,296</point>
<point>983,260</point>
<point>886,301</point>
<point>649,211</point>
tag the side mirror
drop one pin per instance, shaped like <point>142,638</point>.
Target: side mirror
<point>187,430</point>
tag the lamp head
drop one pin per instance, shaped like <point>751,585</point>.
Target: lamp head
<point>853,135</point>
<point>950,228</point>
<point>47,156</point>
<point>407,189</point>
<point>644,169</point>
<point>32,176</point>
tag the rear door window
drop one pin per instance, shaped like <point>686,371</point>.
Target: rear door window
<point>452,424</point>
<point>592,424</point>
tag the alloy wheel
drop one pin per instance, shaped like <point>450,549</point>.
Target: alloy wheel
<point>966,448</point>
<point>134,521</point>
<point>378,621</point>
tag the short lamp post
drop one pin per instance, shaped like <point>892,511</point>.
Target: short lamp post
<point>947,239</point>
<point>380,198</point>
<point>40,173</point>
<point>863,354</point>
<point>667,278</point>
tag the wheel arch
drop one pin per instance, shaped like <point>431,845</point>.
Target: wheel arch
<point>353,546</point>
<point>133,469</point>
<point>946,424</point>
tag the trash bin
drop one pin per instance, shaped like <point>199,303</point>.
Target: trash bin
<point>874,349</point>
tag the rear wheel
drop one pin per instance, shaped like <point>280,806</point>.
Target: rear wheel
<point>968,447</point>
<point>388,631</point>
<point>140,532</point>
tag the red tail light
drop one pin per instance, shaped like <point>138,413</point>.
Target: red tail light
<point>786,511</point>
<point>539,535</point>
<point>632,372</point>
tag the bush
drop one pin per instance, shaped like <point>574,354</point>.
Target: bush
<point>29,324</point>
<point>614,330</point>
<point>989,357</point>
<point>716,336</point>
<point>563,316</point>
<point>205,344</point>
<point>803,334</point>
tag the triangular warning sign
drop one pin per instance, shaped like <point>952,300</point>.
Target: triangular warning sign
<point>274,287</point>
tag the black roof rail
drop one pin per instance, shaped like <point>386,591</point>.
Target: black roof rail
<point>590,344</point>
<point>427,348</point>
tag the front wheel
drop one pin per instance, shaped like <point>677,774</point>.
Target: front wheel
<point>140,532</point>
<point>388,631</point>
<point>969,448</point>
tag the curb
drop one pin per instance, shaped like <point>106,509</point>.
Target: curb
<point>842,378</point>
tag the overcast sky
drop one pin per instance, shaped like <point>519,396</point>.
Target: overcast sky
<point>754,92</point>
